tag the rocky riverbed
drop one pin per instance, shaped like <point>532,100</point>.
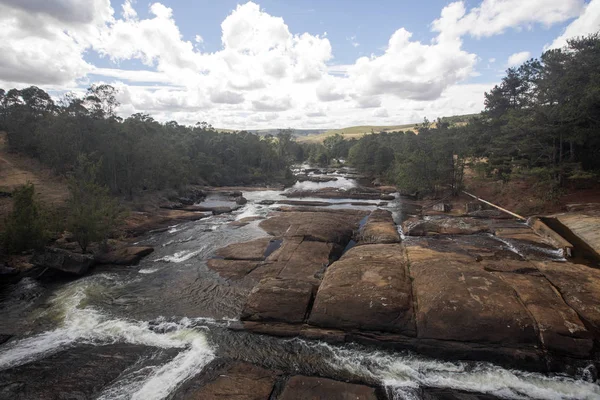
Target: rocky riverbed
<point>346,296</point>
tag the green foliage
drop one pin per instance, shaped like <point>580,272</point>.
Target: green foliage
<point>138,152</point>
<point>25,227</point>
<point>93,213</point>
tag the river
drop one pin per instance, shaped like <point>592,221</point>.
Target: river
<point>143,332</point>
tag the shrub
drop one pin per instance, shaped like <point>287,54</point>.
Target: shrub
<point>25,227</point>
<point>93,213</point>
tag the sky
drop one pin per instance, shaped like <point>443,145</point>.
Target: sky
<point>304,64</point>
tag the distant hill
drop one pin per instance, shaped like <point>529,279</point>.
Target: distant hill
<point>318,135</point>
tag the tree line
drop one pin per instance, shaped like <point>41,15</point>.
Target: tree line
<point>136,152</point>
<point>541,122</point>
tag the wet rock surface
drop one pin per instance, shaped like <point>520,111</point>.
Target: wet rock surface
<point>124,256</point>
<point>238,381</point>
<point>476,289</point>
<point>309,388</point>
<point>63,260</point>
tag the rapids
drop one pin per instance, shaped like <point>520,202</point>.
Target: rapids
<point>158,325</point>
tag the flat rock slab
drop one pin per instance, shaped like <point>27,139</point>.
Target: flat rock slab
<point>125,256</point>
<point>559,327</point>
<point>302,259</point>
<point>579,286</point>
<point>253,250</point>
<point>316,226</point>
<point>312,388</point>
<point>444,226</point>
<point>585,226</point>
<point>380,228</point>
<point>240,381</point>
<point>284,300</point>
<point>368,288</point>
<point>458,300</point>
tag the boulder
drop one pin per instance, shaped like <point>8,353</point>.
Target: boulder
<point>240,381</point>
<point>240,200</point>
<point>387,197</point>
<point>334,227</point>
<point>458,300</point>
<point>368,289</point>
<point>63,260</point>
<point>380,228</point>
<point>253,250</point>
<point>579,286</point>
<point>311,388</point>
<point>267,202</point>
<point>444,226</point>
<point>560,329</point>
<point>284,300</point>
<point>124,256</point>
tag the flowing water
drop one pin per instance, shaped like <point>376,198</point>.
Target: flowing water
<point>141,332</point>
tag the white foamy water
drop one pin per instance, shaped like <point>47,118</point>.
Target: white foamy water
<point>403,374</point>
<point>181,256</point>
<point>90,326</point>
<point>148,270</point>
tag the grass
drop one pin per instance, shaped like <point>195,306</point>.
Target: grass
<point>355,132</point>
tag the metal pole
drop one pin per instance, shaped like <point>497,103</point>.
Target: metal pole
<point>495,206</point>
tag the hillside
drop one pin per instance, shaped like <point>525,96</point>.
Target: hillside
<point>351,132</point>
<point>17,170</point>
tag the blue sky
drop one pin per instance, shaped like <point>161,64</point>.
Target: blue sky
<point>274,63</point>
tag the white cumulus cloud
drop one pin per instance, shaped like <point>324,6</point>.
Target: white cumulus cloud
<point>518,58</point>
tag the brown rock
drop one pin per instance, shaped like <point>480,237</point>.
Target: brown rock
<point>559,327</point>
<point>444,226</point>
<point>302,259</point>
<point>380,228</point>
<point>232,269</point>
<point>317,226</point>
<point>458,300</point>
<point>312,388</point>
<point>283,300</point>
<point>253,250</point>
<point>240,381</point>
<point>63,260</point>
<point>124,256</point>
<point>579,286</point>
<point>368,288</point>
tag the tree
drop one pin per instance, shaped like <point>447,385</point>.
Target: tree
<point>93,214</point>
<point>25,226</point>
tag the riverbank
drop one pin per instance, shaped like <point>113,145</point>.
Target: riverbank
<point>286,297</point>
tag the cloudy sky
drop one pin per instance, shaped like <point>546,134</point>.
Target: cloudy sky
<point>282,63</point>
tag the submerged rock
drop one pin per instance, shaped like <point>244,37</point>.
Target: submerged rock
<point>63,260</point>
<point>124,256</point>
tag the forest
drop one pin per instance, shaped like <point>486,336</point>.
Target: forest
<point>542,122</point>
<point>136,153</point>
